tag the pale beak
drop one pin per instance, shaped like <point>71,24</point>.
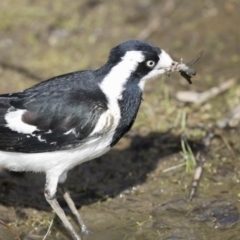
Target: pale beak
<point>167,65</point>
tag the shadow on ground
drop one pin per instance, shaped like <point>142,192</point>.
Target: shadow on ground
<point>114,174</point>
<point>147,203</point>
<point>97,180</point>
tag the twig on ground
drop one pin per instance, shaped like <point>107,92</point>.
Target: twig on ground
<point>48,231</point>
<point>174,167</point>
<point>197,174</point>
<point>199,98</point>
<point>10,229</point>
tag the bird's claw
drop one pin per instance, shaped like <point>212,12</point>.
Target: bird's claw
<point>85,231</point>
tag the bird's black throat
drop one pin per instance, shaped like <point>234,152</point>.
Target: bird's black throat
<point>129,105</point>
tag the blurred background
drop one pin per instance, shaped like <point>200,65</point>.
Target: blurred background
<point>140,190</point>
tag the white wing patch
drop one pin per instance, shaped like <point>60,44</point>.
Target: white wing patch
<point>70,131</point>
<point>15,123</point>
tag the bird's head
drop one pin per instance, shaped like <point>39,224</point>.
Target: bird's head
<point>138,61</point>
<point>133,62</point>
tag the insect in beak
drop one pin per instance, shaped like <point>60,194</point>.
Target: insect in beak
<point>185,69</point>
<point>188,72</point>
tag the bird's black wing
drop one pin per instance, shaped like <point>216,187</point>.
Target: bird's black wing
<point>60,113</point>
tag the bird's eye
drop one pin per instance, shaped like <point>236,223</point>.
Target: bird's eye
<point>150,63</point>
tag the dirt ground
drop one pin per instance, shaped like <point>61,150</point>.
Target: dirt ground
<point>136,191</point>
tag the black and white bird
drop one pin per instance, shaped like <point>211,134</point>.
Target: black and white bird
<point>73,118</point>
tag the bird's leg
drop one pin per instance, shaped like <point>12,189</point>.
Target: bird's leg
<point>74,210</point>
<point>57,208</point>
<point>50,190</point>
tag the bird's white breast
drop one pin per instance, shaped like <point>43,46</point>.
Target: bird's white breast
<point>57,161</point>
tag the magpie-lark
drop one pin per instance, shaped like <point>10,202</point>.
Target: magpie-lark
<point>73,118</point>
